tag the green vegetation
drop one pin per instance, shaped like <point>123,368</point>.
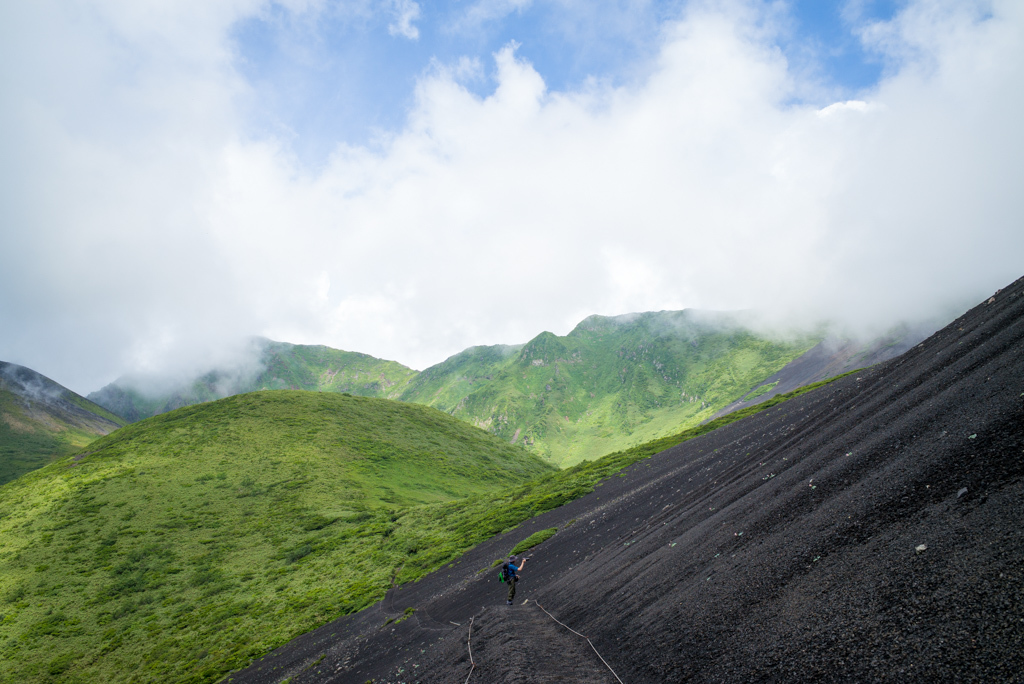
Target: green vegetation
<point>182,547</point>
<point>45,423</point>
<point>23,451</point>
<point>761,390</point>
<point>611,383</point>
<point>608,384</point>
<point>278,365</point>
<point>534,539</point>
<point>449,382</point>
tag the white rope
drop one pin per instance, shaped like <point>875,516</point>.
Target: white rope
<point>469,645</point>
<point>580,635</point>
<point>564,625</point>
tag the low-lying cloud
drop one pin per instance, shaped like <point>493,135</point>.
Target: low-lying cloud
<point>143,231</point>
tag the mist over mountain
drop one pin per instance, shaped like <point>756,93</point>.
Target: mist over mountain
<point>41,421</point>
<point>611,382</point>
<point>833,356</point>
<point>270,365</point>
<point>715,170</point>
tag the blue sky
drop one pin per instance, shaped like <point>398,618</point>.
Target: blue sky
<point>407,179</point>
<point>339,75</point>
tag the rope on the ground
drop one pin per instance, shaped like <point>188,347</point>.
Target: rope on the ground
<point>469,645</point>
<point>580,635</point>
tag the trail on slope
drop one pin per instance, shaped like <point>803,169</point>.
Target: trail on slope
<point>519,644</point>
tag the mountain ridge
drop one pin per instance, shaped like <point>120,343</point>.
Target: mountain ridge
<point>278,365</point>
<point>620,378</point>
<point>41,420</point>
<point>672,370</point>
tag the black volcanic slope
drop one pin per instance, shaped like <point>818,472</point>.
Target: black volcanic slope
<point>779,548</point>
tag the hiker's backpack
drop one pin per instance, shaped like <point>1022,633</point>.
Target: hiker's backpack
<point>504,575</point>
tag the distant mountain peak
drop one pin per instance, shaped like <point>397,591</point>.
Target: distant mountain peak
<point>29,383</point>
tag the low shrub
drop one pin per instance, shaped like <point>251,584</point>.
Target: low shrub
<point>534,539</point>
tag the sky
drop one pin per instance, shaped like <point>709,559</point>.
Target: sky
<point>407,178</point>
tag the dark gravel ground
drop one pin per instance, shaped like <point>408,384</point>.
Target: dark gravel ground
<point>779,548</point>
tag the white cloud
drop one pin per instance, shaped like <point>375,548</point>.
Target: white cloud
<point>405,12</point>
<point>143,230</point>
<point>484,11</point>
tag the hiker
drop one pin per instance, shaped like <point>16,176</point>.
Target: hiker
<point>510,573</point>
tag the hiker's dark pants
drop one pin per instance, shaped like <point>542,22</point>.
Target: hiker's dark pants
<point>512,588</point>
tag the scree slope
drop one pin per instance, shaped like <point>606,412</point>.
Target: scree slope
<point>871,530</point>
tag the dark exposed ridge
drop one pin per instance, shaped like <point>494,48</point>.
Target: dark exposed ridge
<point>827,359</point>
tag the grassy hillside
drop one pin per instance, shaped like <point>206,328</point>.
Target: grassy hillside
<point>277,365</point>
<point>183,545</point>
<point>186,545</point>
<point>447,384</point>
<point>41,421</point>
<point>608,384</point>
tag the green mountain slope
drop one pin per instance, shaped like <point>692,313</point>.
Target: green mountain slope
<point>183,545</point>
<point>448,383</point>
<point>41,421</point>
<point>608,384</point>
<point>277,365</point>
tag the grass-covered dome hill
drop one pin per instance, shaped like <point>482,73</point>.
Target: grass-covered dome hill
<point>194,540</point>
